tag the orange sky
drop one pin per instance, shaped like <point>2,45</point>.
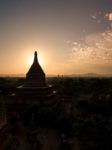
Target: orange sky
<point>70,37</point>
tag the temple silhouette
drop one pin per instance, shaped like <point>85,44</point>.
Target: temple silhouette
<point>35,77</point>
<point>33,114</point>
<point>34,92</point>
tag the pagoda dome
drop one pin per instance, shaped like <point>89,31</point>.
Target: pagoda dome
<point>35,77</point>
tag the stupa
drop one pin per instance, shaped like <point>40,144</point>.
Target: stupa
<point>35,89</point>
<point>34,92</point>
<point>35,76</point>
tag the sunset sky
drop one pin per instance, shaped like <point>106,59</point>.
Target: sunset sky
<point>71,36</point>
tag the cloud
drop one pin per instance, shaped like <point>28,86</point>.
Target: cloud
<point>98,17</point>
<point>93,17</point>
<point>97,48</point>
<point>109,16</point>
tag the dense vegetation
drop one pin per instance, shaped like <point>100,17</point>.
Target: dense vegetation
<point>92,98</point>
<point>91,111</point>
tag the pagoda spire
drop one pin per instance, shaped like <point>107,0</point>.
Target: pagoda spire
<point>35,57</point>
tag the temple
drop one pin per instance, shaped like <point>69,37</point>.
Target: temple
<point>34,114</point>
<point>35,76</point>
<point>34,92</point>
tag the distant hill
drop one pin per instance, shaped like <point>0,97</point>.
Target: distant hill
<point>95,75</point>
<point>89,75</point>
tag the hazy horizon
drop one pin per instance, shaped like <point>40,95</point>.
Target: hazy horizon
<point>60,75</point>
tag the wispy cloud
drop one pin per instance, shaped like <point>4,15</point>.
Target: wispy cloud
<point>94,17</point>
<point>97,48</point>
<point>109,16</point>
<point>98,16</point>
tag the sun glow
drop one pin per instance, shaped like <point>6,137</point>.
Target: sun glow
<point>30,60</point>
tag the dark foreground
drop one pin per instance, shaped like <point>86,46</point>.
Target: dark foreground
<point>88,124</point>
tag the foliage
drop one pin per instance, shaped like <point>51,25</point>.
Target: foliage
<point>91,97</point>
